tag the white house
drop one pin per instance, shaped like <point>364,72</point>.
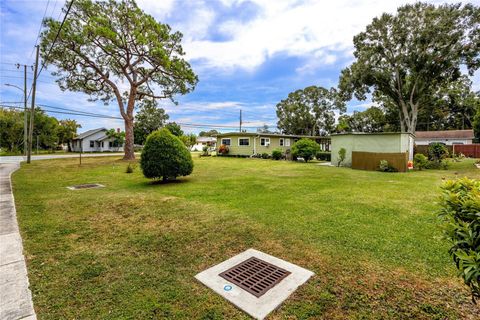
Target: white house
<point>95,140</point>
<point>448,137</point>
<point>204,141</point>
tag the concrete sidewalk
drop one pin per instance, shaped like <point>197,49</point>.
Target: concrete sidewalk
<point>15,296</point>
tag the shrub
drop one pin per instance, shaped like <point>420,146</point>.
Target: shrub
<point>324,156</point>
<point>277,154</point>
<point>223,149</point>
<point>305,148</point>
<point>265,155</point>
<point>205,151</point>
<point>437,152</point>
<point>460,205</point>
<point>342,153</point>
<point>443,164</point>
<point>386,167</point>
<point>420,161</point>
<point>130,168</point>
<point>165,156</point>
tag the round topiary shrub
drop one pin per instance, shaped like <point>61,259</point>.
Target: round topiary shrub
<point>305,148</point>
<point>165,157</point>
<point>277,154</point>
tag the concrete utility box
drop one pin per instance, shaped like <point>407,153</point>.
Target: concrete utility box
<point>366,150</point>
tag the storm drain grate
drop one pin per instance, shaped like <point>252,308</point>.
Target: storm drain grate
<point>255,276</point>
<point>86,186</point>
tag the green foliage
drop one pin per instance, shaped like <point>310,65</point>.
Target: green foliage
<point>324,156</point>
<point>223,149</point>
<point>67,131</point>
<point>342,153</point>
<point>165,156</point>
<point>420,161</point>
<point>305,148</point>
<point>437,152</point>
<point>406,58</point>
<point>11,130</point>
<point>442,164</point>
<point>386,167</point>
<point>130,168</point>
<point>277,154</point>
<point>188,139</point>
<point>174,128</point>
<point>265,155</point>
<point>309,111</point>
<point>460,207</point>
<point>105,45</point>
<point>205,151</point>
<point>209,133</point>
<point>371,120</point>
<point>118,138</point>
<point>148,119</point>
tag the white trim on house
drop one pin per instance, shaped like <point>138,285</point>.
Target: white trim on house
<point>244,138</point>
<point>287,142</point>
<point>94,141</point>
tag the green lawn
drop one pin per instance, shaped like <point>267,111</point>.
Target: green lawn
<point>130,250</point>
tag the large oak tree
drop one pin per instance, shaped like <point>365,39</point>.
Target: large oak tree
<point>112,50</point>
<point>407,57</point>
<point>308,111</point>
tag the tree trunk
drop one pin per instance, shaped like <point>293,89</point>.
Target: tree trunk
<point>128,148</point>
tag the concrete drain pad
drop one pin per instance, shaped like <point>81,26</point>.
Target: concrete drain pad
<point>254,281</point>
<point>86,186</point>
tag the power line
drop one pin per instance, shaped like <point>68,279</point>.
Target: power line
<point>39,29</point>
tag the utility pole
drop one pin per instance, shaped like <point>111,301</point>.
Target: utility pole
<point>240,120</point>
<point>32,110</point>
<point>25,111</point>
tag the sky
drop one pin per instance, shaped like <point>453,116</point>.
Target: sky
<point>248,55</point>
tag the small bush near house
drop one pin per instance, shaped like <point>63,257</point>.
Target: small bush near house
<point>205,151</point>
<point>437,152</point>
<point>386,167</point>
<point>460,207</point>
<point>342,153</point>
<point>277,154</point>
<point>223,149</point>
<point>305,148</point>
<point>443,164</point>
<point>165,156</point>
<point>324,156</point>
<point>420,161</point>
<point>265,155</point>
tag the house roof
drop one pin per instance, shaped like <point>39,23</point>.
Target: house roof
<point>88,133</point>
<point>370,133</point>
<point>446,134</point>
<point>257,134</point>
<point>206,139</point>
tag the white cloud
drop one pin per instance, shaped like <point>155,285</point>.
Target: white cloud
<point>296,28</point>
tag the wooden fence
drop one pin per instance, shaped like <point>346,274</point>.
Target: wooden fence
<point>371,160</point>
<point>469,150</point>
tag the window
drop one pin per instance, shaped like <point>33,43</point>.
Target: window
<point>265,141</point>
<point>226,141</point>
<point>243,141</point>
<point>287,142</point>
<point>281,142</point>
<point>92,143</point>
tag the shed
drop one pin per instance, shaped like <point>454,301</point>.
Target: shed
<point>366,150</point>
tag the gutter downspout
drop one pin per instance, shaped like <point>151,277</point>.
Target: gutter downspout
<point>255,144</point>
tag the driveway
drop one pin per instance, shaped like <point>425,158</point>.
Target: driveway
<point>18,159</point>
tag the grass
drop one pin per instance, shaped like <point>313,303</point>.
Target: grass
<point>130,250</point>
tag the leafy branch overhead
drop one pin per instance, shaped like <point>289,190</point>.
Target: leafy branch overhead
<point>406,58</point>
<point>114,51</point>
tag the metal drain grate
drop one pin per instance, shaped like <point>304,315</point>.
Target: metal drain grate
<point>255,276</point>
<point>86,186</point>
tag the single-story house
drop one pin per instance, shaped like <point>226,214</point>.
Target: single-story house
<point>95,140</point>
<point>247,144</point>
<point>447,137</point>
<point>366,150</point>
<point>204,141</point>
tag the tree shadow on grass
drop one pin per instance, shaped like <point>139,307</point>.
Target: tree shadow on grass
<point>156,182</point>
